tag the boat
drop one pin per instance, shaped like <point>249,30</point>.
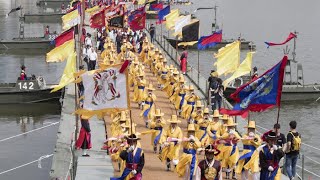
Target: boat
<point>245,45</point>
<point>50,3</point>
<point>292,90</point>
<point>34,90</point>
<point>42,18</point>
<point>26,43</point>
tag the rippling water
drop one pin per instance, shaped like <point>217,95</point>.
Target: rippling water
<point>15,120</point>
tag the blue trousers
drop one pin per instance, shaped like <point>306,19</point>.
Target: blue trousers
<point>291,162</point>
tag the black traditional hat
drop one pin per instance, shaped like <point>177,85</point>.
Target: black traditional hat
<point>211,149</point>
<point>272,135</point>
<point>132,137</point>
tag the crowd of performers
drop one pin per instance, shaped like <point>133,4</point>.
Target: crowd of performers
<point>209,146</point>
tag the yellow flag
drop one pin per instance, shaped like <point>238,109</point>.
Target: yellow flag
<point>93,10</point>
<point>71,19</point>
<point>228,58</point>
<point>68,73</point>
<point>61,52</point>
<point>170,18</point>
<point>244,68</point>
<point>141,2</point>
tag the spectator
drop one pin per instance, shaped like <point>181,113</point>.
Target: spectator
<point>152,31</point>
<point>293,148</point>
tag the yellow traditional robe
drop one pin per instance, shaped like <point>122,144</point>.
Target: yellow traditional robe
<point>149,106</point>
<point>157,127</point>
<point>212,130</point>
<point>202,134</point>
<point>172,150</point>
<point>139,91</point>
<point>230,157</point>
<point>186,158</point>
<point>249,146</point>
<point>189,106</point>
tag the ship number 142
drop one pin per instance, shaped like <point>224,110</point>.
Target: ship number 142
<point>26,85</point>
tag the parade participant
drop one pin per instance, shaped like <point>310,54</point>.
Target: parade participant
<point>293,148</point>
<point>154,60</point>
<point>133,72</point>
<point>134,158</point>
<point>88,41</point>
<point>251,141</point>
<point>150,54</point>
<point>179,94</point>
<point>269,157</point>
<point>84,139</point>
<point>222,130</point>
<point>170,142</point>
<point>148,104</point>
<point>139,89</point>
<point>170,84</point>
<point>191,99</point>
<point>209,168</point>
<point>92,59</point>
<point>213,127</point>
<point>183,61</point>
<point>157,124</point>
<point>203,124</point>
<point>197,114</point>
<point>188,161</point>
<point>231,150</point>
<point>85,55</point>
<point>164,73</point>
<point>255,74</point>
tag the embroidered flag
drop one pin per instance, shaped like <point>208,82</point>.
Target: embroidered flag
<point>136,13</point>
<point>260,94</point>
<point>106,89</point>
<point>138,23</point>
<point>98,20</point>
<point>291,36</point>
<point>162,13</point>
<point>210,41</point>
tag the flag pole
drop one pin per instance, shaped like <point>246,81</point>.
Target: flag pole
<point>198,66</point>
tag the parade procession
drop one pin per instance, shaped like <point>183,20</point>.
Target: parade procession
<point>134,106</point>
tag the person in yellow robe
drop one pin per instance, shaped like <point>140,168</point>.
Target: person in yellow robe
<point>222,129</point>
<point>148,105</point>
<point>213,128</point>
<point>176,89</point>
<point>203,124</point>
<point>150,54</point>
<point>163,77</point>
<point>158,67</point>
<point>188,107</point>
<point>154,60</point>
<point>188,160</point>
<point>231,154</point>
<point>157,124</point>
<point>139,90</point>
<point>133,70</point>
<point>171,81</point>
<point>170,142</point>
<point>251,141</point>
<point>197,114</point>
<point>180,100</point>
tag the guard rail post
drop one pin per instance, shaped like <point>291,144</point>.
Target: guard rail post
<point>302,169</point>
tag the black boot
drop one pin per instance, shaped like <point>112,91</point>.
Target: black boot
<point>227,175</point>
<point>234,174</point>
<point>160,149</point>
<point>155,149</point>
<point>168,165</point>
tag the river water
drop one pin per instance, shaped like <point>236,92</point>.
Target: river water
<point>14,120</point>
<point>257,21</point>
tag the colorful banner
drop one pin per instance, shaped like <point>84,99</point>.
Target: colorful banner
<point>106,89</point>
<point>210,41</point>
<point>260,94</point>
<point>98,20</point>
<point>64,37</point>
<point>138,23</point>
<point>291,36</point>
<point>61,53</point>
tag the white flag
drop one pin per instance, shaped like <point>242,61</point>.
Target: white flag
<point>105,90</point>
<point>181,22</point>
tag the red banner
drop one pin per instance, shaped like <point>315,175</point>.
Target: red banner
<point>98,20</point>
<point>139,22</point>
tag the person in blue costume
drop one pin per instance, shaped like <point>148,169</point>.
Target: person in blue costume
<point>134,157</point>
<point>269,158</point>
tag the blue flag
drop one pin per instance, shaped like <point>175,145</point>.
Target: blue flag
<point>260,94</point>
<point>162,13</point>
